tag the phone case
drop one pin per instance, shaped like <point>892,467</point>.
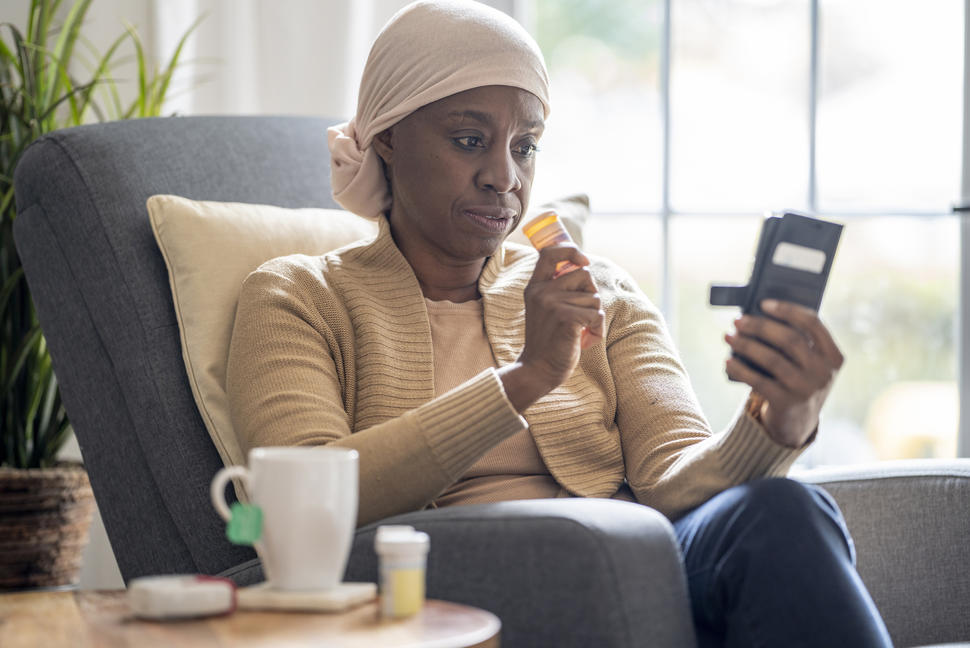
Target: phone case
<point>792,263</point>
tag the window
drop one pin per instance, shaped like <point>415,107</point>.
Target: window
<point>686,120</point>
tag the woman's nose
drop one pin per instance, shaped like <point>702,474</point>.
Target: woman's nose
<point>499,172</point>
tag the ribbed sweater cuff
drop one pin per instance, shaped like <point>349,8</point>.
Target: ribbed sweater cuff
<point>747,452</point>
<point>463,424</point>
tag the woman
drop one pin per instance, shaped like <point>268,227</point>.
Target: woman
<point>452,361</point>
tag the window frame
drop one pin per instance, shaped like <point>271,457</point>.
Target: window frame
<point>524,12</point>
<point>963,313</point>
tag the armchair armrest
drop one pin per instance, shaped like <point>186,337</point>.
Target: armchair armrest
<point>560,572</point>
<point>910,521</point>
<point>563,572</point>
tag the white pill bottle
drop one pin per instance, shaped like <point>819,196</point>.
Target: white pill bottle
<point>403,557</point>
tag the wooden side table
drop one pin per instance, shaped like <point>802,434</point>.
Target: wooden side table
<point>92,619</point>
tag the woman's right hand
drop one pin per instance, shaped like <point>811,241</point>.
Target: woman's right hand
<point>557,309</point>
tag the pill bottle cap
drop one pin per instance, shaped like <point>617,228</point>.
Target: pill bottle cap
<point>402,542</point>
<point>393,528</point>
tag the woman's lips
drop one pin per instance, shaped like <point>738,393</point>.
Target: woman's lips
<point>493,219</point>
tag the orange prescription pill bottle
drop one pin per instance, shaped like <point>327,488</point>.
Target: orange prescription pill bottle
<point>544,230</point>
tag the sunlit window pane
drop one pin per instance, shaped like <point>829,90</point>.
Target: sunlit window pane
<point>888,141</point>
<point>706,250</point>
<point>739,105</point>
<point>890,304</point>
<point>889,104</point>
<point>604,134</point>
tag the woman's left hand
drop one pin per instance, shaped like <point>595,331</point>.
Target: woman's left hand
<point>802,358</point>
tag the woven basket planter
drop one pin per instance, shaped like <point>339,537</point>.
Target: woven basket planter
<point>45,515</point>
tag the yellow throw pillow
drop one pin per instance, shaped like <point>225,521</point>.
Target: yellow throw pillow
<point>211,247</point>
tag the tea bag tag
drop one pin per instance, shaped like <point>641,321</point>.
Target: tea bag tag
<point>245,525</point>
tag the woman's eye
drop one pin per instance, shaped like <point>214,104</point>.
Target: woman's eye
<point>469,141</point>
<point>526,150</point>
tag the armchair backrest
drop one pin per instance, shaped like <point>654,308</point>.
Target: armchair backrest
<point>101,291</point>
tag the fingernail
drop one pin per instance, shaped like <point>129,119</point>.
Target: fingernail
<point>769,304</point>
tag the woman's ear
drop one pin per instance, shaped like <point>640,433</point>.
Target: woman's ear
<point>382,145</point>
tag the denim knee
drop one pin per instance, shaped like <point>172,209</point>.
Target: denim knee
<point>782,496</point>
<point>791,508</point>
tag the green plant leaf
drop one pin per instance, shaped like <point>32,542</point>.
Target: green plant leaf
<point>66,97</point>
<point>64,48</point>
<point>143,86</point>
<point>72,100</point>
<point>9,284</point>
<point>24,65</point>
<point>37,30</point>
<point>37,378</point>
<point>52,400</point>
<point>39,93</point>
<point>166,76</point>
<point>41,435</point>
<point>59,431</point>
<point>6,54</point>
<point>99,76</point>
<point>26,347</point>
<point>116,109</point>
<point>7,199</point>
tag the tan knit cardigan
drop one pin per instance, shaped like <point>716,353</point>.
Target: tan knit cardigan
<point>337,349</point>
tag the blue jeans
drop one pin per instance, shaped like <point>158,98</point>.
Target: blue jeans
<point>770,563</point>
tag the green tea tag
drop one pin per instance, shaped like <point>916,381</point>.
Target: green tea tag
<point>245,527</point>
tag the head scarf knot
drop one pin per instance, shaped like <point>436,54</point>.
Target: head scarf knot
<point>429,50</point>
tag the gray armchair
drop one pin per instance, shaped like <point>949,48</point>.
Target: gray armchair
<point>558,573</point>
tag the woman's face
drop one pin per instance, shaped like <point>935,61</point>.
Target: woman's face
<point>461,170</point>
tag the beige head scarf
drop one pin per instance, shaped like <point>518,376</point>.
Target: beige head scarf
<point>429,50</point>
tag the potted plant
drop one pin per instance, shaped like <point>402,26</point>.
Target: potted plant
<point>46,505</point>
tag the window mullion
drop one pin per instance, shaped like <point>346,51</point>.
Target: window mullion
<point>963,315</point>
<point>813,84</point>
<point>666,269</point>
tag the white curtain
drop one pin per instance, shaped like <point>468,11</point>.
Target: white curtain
<point>268,57</point>
<point>299,57</point>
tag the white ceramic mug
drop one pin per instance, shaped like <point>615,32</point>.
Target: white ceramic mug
<point>308,496</point>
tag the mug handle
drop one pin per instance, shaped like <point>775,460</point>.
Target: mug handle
<point>217,490</point>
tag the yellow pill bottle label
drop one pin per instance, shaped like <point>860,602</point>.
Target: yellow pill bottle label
<point>403,554</point>
<point>402,591</point>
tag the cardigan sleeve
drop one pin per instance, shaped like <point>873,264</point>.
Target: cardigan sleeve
<point>673,462</point>
<point>286,371</point>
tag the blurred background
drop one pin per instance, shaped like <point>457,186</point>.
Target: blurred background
<point>686,121</point>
